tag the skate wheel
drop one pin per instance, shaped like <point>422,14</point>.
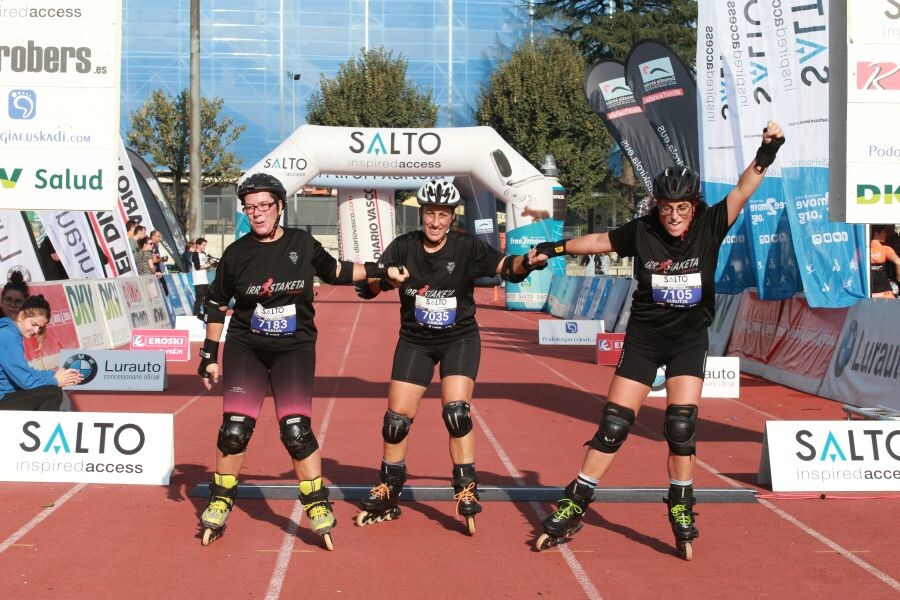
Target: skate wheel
<point>326,537</point>
<point>470,525</point>
<point>209,535</point>
<point>686,550</point>
<point>544,542</point>
<point>361,519</point>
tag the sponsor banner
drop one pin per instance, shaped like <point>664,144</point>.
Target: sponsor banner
<point>873,187</point>
<point>609,308</point>
<point>61,332</point>
<point>73,239</point>
<point>112,308</point>
<point>135,304</point>
<point>865,367</point>
<point>366,223</point>
<point>668,94</point>
<point>117,370</point>
<point>625,312</point>
<point>177,299</point>
<point>131,202</point>
<point>806,338</point>
<point>754,328</point>
<point>197,329</point>
<point>157,302</point>
<point>174,342</point>
<point>569,333</point>
<point>722,379</point>
<point>61,79</point>
<point>557,296</point>
<point>609,348</point>
<point>610,97</point>
<point>483,226</point>
<point>530,294</point>
<point>17,251</point>
<point>587,297</point>
<point>112,238</point>
<point>87,314</point>
<point>831,456</point>
<point>408,152</point>
<point>719,331</point>
<point>86,447</point>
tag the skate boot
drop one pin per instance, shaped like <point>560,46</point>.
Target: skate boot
<point>465,486</point>
<point>381,503</point>
<point>222,492</point>
<point>314,496</point>
<point>682,518</point>
<point>565,521</point>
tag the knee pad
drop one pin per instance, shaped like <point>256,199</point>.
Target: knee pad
<point>457,419</point>
<point>297,436</point>
<point>613,429</point>
<point>235,432</point>
<point>679,429</point>
<point>396,427</point>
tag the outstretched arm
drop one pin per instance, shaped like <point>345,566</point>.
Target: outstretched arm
<point>748,183</point>
<point>592,243</point>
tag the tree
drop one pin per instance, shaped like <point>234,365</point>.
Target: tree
<point>160,132</point>
<point>371,91</point>
<point>601,34</point>
<point>536,102</point>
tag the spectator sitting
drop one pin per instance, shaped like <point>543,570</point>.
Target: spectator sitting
<point>21,386</point>
<point>14,294</point>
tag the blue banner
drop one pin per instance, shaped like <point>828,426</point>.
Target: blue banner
<point>830,254</point>
<point>531,294</point>
<point>771,242</point>
<point>735,271</point>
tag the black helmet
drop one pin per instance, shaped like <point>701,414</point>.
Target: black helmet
<point>442,193</point>
<point>676,183</point>
<point>261,182</point>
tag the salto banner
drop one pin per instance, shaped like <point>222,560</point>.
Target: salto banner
<point>60,70</point>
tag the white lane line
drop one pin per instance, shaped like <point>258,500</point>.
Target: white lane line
<point>577,570</point>
<point>15,537</point>
<point>871,569</point>
<point>287,544</point>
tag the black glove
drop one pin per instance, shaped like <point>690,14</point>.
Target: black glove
<point>551,249</point>
<point>209,355</point>
<point>526,264</point>
<point>765,156</point>
<point>363,290</point>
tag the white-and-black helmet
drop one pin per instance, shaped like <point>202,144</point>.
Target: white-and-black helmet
<point>438,192</point>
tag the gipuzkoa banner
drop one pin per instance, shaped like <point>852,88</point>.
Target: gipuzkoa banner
<point>133,448</point>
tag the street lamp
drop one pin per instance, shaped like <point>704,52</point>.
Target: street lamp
<point>294,78</point>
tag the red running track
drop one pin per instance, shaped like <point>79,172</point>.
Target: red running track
<point>533,408</point>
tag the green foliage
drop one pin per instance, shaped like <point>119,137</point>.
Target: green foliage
<point>601,35</point>
<point>371,91</point>
<point>536,102</point>
<point>160,132</point>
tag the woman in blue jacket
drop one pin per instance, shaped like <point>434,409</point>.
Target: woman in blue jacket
<point>22,387</point>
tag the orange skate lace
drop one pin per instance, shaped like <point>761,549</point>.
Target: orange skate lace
<point>380,491</point>
<point>466,494</point>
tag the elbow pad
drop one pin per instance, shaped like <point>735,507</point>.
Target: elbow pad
<point>507,273</point>
<point>213,314</point>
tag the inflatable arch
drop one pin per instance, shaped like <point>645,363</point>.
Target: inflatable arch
<point>382,157</point>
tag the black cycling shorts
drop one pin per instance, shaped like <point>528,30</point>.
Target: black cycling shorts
<point>644,351</point>
<point>414,361</point>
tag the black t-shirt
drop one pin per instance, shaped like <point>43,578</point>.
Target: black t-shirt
<point>676,291</point>
<point>272,284</point>
<point>436,301</point>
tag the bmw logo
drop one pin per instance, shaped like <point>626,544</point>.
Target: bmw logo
<point>845,350</point>
<point>84,364</point>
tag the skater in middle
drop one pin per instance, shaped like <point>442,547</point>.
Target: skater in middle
<point>435,269</point>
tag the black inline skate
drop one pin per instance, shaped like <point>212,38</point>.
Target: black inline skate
<point>381,503</point>
<point>222,492</point>
<point>465,487</point>
<point>682,518</point>
<point>565,522</point>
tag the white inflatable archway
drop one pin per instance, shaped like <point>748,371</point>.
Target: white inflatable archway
<point>478,152</point>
